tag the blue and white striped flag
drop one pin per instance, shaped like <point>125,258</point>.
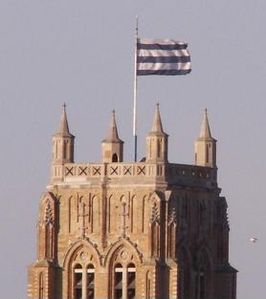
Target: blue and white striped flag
<point>162,57</point>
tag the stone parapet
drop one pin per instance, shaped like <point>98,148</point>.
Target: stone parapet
<point>142,172</point>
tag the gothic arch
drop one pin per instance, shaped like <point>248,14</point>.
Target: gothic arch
<point>48,227</point>
<point>78,246</point>
<point>48,199</point>
<point>80,257</point>
<point>117,247</point>
<point>123,198</point>
<point>123,261</point>
<point>155,197</point>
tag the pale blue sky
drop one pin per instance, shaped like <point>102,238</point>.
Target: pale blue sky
<point>82,52</point>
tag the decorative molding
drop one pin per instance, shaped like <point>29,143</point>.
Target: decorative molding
<point>117,246</point>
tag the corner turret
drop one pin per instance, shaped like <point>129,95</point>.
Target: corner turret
<point>112,145</point>
<point>205,145</point>
<point>63,147</point>
<point>157,141</point>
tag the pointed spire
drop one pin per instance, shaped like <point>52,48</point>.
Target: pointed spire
<point>205,132</point>
<point>62,148</point>
<point>112,145</point>
<point>157,126</point>
<point>157,141</point>
<point>113,132</point>
<point>63,127</point>
<point>205,145</point>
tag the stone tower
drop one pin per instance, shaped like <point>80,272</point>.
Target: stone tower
<point>124,230</point>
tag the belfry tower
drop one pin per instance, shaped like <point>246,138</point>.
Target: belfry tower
<point>132,230</point>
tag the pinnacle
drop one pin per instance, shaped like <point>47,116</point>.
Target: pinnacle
<point>205,131</point>
<point>157,126</point>
<point>112,135</point>
<point>63,126</point>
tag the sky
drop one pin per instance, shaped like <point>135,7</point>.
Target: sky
<point>82,53</point>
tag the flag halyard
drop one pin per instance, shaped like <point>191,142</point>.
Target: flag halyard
<point>162,57</point>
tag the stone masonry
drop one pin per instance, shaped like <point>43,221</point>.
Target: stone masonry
<point>124,230</point>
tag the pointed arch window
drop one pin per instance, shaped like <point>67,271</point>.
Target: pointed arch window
<point>84,282</point>
<point>114,158</point>
<point>125,281</point>
<point>78,282</point>
<point>90,281</point>
<point>118,282</point>
<point>131,281</point>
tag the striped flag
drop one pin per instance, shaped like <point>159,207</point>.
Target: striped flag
<point>162,57</point>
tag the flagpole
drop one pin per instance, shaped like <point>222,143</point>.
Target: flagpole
<point>135,96</point>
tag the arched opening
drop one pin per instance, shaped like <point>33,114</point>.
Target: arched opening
<point>184,275</point>
<point>200,284</point>
<point>203,276</point>
<point>77,287</point>
<point>155,239</point>
<point>124,281</point>
<point>207,152</point>
<point>148,285</point>
<point>159,145</point>
<point>131,281</point>
<point>172,240</point>
<point>118,282</point>
<point>64,150</point>
<point>41,286</point>
<point>90,281</point>
<point>114,158</point>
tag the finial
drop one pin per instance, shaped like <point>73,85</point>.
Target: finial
<point>112,132</point>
